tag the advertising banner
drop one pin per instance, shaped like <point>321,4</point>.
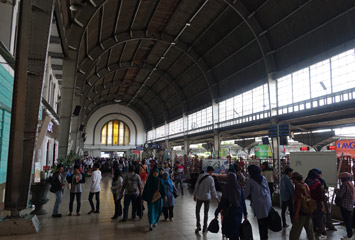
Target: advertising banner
<point>263,151</point>
<point>220,166</point>
<point>224,152</point>
<point>346,147</point>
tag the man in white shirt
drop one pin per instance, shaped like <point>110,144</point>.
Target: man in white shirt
<point>95,189</point>
<point>204,188</point>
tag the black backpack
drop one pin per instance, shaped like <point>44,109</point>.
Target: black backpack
<point>246,232</point>
<point>274,221</point>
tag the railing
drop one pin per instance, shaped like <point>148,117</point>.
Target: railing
<point>329,99</point>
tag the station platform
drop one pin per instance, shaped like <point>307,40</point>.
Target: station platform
<point>101,227</point>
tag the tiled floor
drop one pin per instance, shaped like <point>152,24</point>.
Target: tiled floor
<point>100,226</point>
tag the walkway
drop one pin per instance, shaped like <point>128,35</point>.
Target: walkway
<point>100,226</point>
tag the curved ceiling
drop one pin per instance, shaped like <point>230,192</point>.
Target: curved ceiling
<point>164,58</point>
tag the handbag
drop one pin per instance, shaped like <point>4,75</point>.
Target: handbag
<point>308,205</point>
<point>246,231</point>
<point>156,195</point>
<point>274,221</point>
<point>175,192</point>
<point>213,227</point>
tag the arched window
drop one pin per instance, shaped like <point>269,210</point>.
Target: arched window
<point>115,133</point>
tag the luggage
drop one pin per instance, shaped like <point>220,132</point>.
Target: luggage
<point>274,221</point>
<point>246,232</point>
<point>213,227</point>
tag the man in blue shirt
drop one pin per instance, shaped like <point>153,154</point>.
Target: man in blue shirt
<point>286,190</point>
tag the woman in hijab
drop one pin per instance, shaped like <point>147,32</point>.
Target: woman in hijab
<point>233,205</point>
<point>154,184</point>
<point>318,217</point>
<point>258,188</point>
<point>347,196</point>
<point>168,207</point>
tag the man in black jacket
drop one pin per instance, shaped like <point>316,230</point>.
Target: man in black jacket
<point>57,189</point>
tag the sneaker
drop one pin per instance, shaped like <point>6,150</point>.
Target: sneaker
<point>92,211</point>
<point>286,226</point>
<point>171,219</point>
<point>77,214</point>
<point>150,227</point>
<point>57,215</point>
<point>322,237</point>
<point>155,224</point>
<point>123,220</point>
<point>97,212</point>
<point>114,217</point>
<point>197,229</point>
<point>69,214</point>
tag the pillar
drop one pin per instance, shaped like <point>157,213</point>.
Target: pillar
<point>216,144</point>
<point>67,93</point>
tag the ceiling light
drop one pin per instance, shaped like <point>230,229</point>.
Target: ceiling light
<point>323,86</point>
<point>173,43</point>
<point>117,100</point>
<point>188,24</point>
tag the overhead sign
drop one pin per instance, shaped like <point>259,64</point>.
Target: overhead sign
<point>346,147</point>
<point>136,152</point>
<point>220,166</point>
<point>155,146</point>
<point>140,148</point>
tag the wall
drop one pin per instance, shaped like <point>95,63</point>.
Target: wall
<point>112,112</point>
<point>6,88</point>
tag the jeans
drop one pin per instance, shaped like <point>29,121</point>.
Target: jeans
<point>303,222</point>
<point>78,202</point>
<point>286,204</point>
<point>58,200</point>
<point>263,230</point>
<point>198,209</point>
<point>118,206</point>
<point>346,214</point>
<point>168,212</point>
<point>97,195</point>
<point>180,179</point>
<point>128,198</point>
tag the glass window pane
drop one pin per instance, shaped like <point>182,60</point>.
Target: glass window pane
<point>343,71</point>
<point>109,133</point>
<point>320,79</point>
<point>115,132</point>
<point>301,88</point>
<point>247,103</point>
<point>103,134</point>
<point>284,90</point>
<point>121,134</point>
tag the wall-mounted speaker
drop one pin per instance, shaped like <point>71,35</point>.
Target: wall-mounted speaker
<point>283,140</point>
<point>265,140</point>
<point>77,110</point>
<point>81,128</point>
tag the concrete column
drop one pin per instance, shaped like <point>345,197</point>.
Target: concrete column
<point>185,123</point>
<point>215,114</point>
<point>273,96</point>
<point>186,146</point>
<point>31,60</point>
<point>74,134</point>
<point>166,130</point>
<point>216,144</point>
<point>67,91</point>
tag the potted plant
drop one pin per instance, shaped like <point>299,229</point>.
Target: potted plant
<point>39,192</point>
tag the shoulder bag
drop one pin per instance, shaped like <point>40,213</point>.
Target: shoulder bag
<point>157,194</point>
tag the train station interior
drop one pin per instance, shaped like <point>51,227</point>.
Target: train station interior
<point>109,85</point>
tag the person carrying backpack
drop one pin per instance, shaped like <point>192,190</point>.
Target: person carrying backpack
<point>132,185</point>
<point>303,214</point>
<point>204,188</point>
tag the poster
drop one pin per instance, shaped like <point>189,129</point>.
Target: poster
<point>263,151</point>
<point>37,172</point>
<point>224,152</point>
<point>220,166</point>
<point>346,147</point>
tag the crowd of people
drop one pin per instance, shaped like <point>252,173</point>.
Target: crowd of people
<point>156,183</point>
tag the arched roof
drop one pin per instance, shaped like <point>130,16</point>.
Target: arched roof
<point>167,57</point>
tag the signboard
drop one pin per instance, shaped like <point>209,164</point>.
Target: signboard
<point>140,148</point>
<point>220,166</point>
<point>136,152</point>
<point>346,147</point>
<point>155,146</point>
<point>263,151</point>
<point>224,152</point>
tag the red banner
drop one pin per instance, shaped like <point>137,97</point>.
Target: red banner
<point>346,147</point>
<point>136,152</point>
